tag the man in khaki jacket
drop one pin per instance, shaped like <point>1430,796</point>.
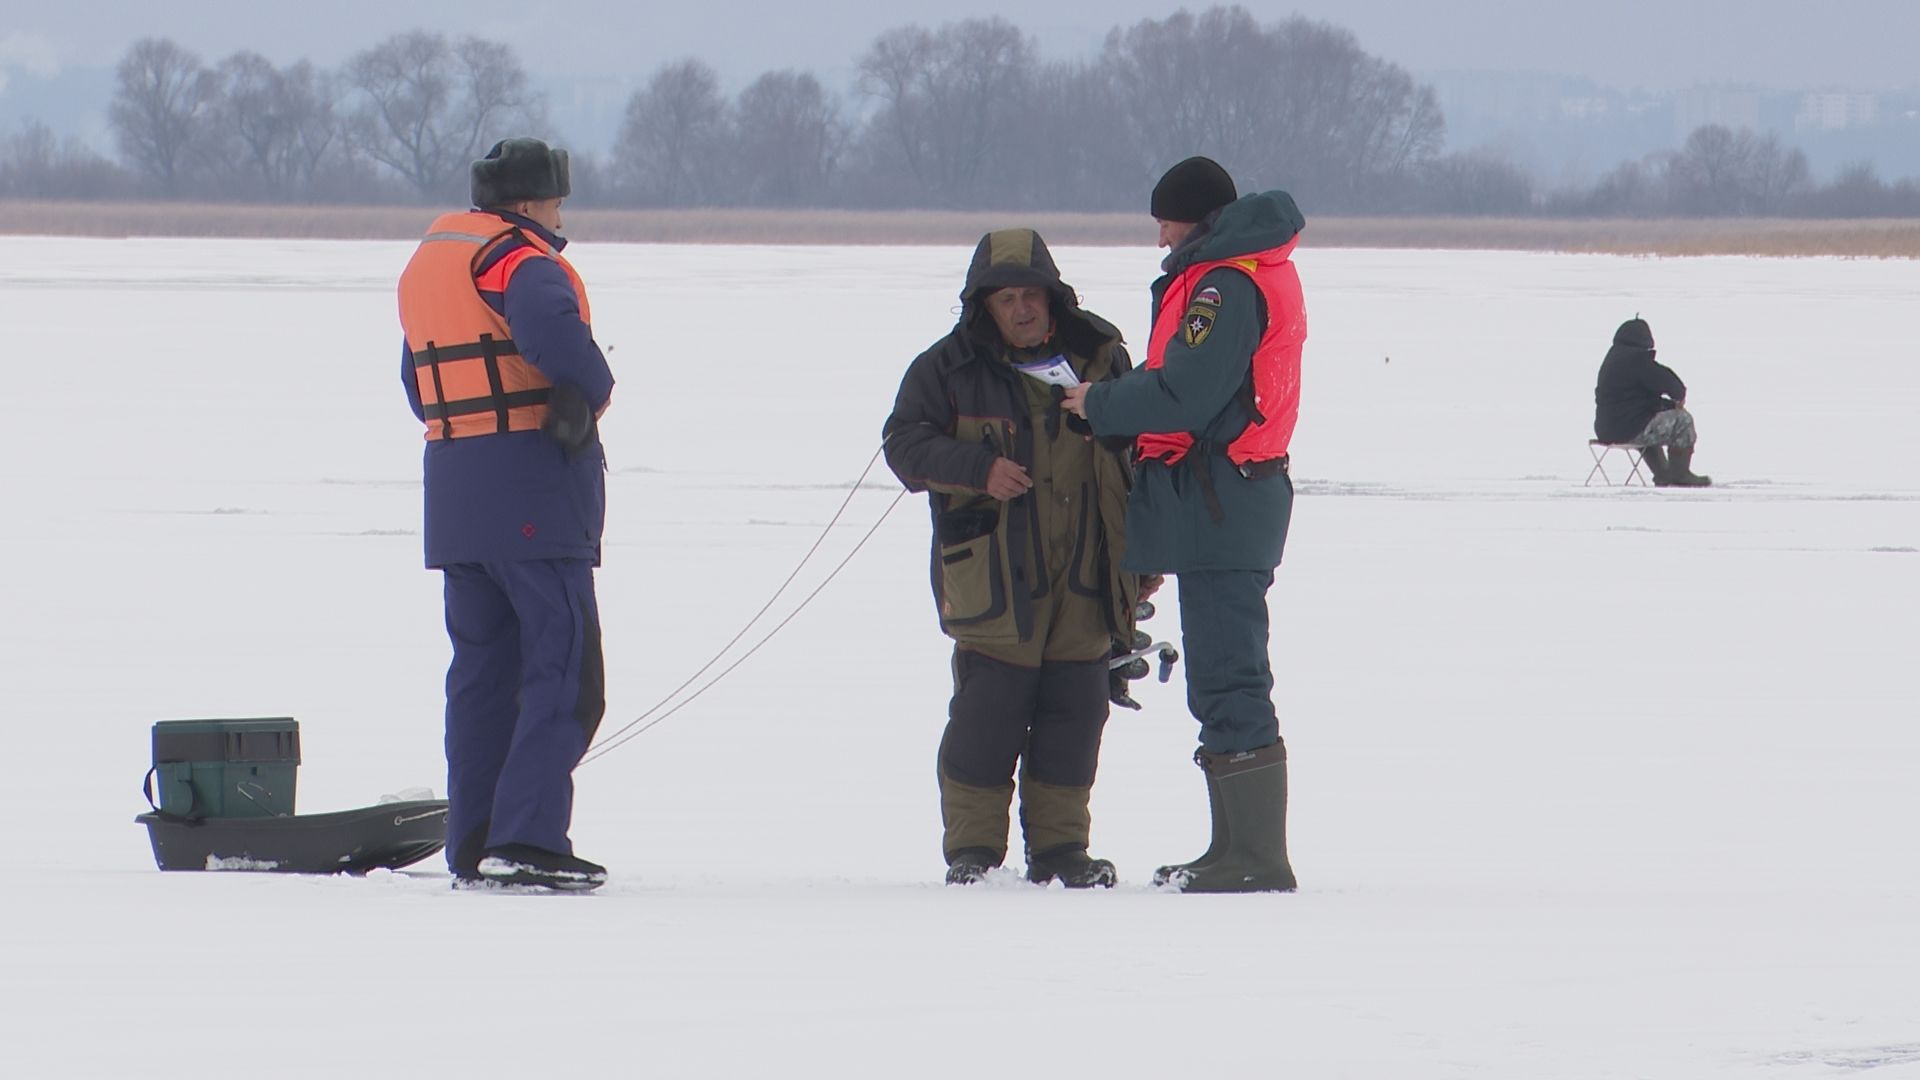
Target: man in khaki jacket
<point>1028,514</point>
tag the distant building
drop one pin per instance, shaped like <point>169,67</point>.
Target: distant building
<point>1834,111</point>
<point>1585,107</point>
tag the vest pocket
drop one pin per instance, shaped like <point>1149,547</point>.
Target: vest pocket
<point>973,591</point>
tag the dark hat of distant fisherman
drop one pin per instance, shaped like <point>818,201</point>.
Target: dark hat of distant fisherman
<point>1634,333</point>
<point>1191,190</point>
<point>520,170</point>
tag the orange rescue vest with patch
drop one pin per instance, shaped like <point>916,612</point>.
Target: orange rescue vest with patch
<point>1275,383</point>
<point>470,374</point>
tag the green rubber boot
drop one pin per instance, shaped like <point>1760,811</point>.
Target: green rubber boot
<point>1217,844</point>
<point>1253,801</point>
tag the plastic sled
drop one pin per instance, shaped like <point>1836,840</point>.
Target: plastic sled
<point>388,836</point>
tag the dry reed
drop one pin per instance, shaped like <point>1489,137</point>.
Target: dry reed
<point>1859,239</point>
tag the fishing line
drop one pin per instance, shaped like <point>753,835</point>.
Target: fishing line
<point>641,724</point>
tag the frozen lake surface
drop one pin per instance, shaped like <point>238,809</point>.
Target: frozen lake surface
<point>1586,782</point>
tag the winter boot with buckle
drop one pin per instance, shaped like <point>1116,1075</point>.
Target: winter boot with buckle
<point>1253,800</point>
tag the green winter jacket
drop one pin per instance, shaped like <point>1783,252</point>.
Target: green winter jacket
<point>961,405</point>
<point>1170,527</point>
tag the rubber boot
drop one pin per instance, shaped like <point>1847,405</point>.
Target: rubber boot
<point>1217,844</point>
<point>1253,797</point>
<point>1655,459</point>
<point>1681,474</point>
<point>1056,820</point>
<point>976,822</point>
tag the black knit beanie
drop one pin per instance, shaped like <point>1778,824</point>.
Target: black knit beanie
<point>518,170</point>
<point>1191,190</point>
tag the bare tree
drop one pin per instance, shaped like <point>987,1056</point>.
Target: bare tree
<point>787,137</point>
<point>429,107</point>
<point>160,104</point>
<point>1298,104</point>
<point>1632,189</point>
<point>948,100</point>
<point>1468,184</point>
<point>1197,84</point>
<point>1722,172</point>
<point>1778,176</point>
<point>36,164</point>
<point>672,138</point>
<point>279,124</point>
<point>309,101</point>
<point>1081,137</point>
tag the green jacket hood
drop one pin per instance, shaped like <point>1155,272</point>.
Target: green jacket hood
<point>1250,224</point>
<point>1011,258</point>
<point>1014,258</point>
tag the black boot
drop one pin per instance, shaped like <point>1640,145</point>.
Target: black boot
<point>1681,473</point>
<point>969,866</point>
<point>1055,820</point>
<point>1072,866</point>
<point>1655,459</point>
<point>519,864</point>
<point>1219,841</point>
<point>1253,798</point>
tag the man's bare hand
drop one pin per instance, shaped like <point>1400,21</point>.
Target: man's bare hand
<point>1008,479</point>
<point>1150,584</point>
<point>1075,400</point>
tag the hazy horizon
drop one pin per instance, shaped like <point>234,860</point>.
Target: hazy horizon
<point>1646,44</point>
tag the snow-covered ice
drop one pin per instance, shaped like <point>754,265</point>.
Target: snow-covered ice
<point>1586,782</point>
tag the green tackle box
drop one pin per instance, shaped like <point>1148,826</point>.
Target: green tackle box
<point>226,768</point>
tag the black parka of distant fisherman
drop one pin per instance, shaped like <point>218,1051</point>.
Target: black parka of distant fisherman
<point>1640,402</point>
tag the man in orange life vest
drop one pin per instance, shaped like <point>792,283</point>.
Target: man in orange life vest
<point>1214,409</point>
<point>501,366</point>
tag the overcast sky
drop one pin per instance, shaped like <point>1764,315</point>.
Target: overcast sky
<point>1655,44</point>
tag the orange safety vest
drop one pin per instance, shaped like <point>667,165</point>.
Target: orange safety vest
<point>1275,386</point>
<point>470,374</point>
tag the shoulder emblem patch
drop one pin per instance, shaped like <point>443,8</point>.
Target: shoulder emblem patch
<point>1198,324</point>
<point>1208,295</point>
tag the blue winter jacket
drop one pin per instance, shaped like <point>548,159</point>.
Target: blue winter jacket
<point>520,495</point>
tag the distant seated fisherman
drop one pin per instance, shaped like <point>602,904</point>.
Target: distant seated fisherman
<point>1642,403</point>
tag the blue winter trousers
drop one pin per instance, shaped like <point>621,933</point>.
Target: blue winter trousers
<point>525,693</point>
<point>1223,626</point>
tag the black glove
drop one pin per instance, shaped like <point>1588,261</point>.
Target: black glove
<point>569,419</point>
<point>1118,678</point>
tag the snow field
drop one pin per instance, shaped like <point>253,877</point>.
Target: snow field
<point>1586,782</point>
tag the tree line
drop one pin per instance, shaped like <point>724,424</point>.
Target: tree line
<point>964,116</point>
